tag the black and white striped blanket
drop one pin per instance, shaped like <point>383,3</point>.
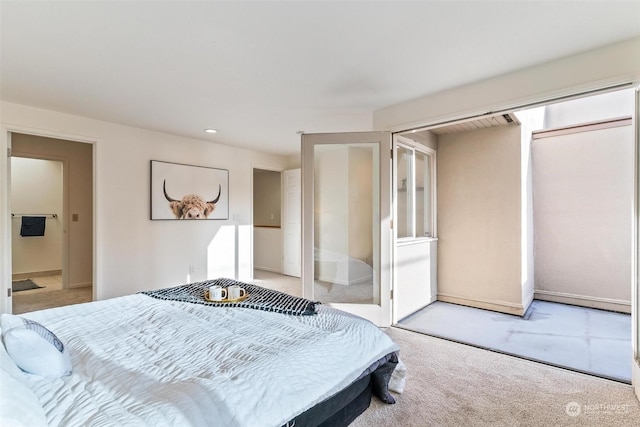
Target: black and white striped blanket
<point>259,298</point>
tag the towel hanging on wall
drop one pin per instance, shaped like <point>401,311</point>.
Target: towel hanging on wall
<point>32,226</point>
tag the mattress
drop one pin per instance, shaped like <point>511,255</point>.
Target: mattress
<point>143,361</point>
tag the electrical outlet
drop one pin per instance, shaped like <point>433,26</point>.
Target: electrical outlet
<point>74,217</point>
<point>192,269</point>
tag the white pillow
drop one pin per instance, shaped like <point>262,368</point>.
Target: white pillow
<point>34,348</point>
<point>19,406</point>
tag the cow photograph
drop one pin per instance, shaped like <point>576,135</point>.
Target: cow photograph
<point>181,191</point>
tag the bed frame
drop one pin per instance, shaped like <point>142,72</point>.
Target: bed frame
<point>345,406</point>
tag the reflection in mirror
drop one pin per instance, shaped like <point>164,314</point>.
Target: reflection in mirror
<point>346,200</point>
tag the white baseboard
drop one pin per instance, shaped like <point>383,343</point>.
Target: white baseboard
<point>79,285</point>
<point>528,302</point>
<point>332,279</point>
<point>336,281</point>
<point>493,305</point>
<point>32,274</point>
<point>433,298</point>
<point>584,300</point>
<point>271,269</point>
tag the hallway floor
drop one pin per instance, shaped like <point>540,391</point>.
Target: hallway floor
<point>582,339</point>
<point>50,295</point>
<point>48,283</point>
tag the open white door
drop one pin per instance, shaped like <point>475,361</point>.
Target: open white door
<point>346,222</point>
<point>291,223</point>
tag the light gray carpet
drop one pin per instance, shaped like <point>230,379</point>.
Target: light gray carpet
<point>450,384</point>
<point>588,340</point>
<point>279,282</point>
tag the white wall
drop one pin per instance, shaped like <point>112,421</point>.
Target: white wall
<point>530,121</point>
<point>583,216</point>
<point>267,249</point>
<point>36,189</point>
<point>479,219</point>
<point>134,253</point>
<point>612,105</point>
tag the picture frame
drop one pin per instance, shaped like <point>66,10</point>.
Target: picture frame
<point>179,191</point>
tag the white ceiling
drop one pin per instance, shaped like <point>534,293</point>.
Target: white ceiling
<point>260,71</point>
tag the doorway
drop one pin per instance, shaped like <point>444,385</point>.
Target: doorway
<point>584,154</point>
<point>37,233</point>
<point>277,230</point>
<point>51,180</point>
<point>267,240</point>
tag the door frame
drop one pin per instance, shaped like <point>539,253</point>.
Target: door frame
<point>6,302</point>
<point>401,140</point>
<point>635,264</point>
<point>565,95</point>
<point>380,314</point>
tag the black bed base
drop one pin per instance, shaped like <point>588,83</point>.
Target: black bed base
<point>344,407</point>
<point>339,410</point>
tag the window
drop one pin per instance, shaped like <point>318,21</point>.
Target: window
<point>414,192</point>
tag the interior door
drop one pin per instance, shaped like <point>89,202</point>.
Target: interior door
<point>291,265</point>
<point>346,222</point>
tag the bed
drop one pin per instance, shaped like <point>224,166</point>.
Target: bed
<point>169,357</point>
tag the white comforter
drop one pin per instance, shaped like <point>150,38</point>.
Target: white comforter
<point>143,361</point>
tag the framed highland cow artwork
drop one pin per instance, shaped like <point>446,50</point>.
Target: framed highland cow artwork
<point>188,192</point>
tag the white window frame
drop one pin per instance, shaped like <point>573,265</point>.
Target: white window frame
<point>430,153</point>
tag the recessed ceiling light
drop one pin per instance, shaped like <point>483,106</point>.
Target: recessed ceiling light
<point>210,130</point>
